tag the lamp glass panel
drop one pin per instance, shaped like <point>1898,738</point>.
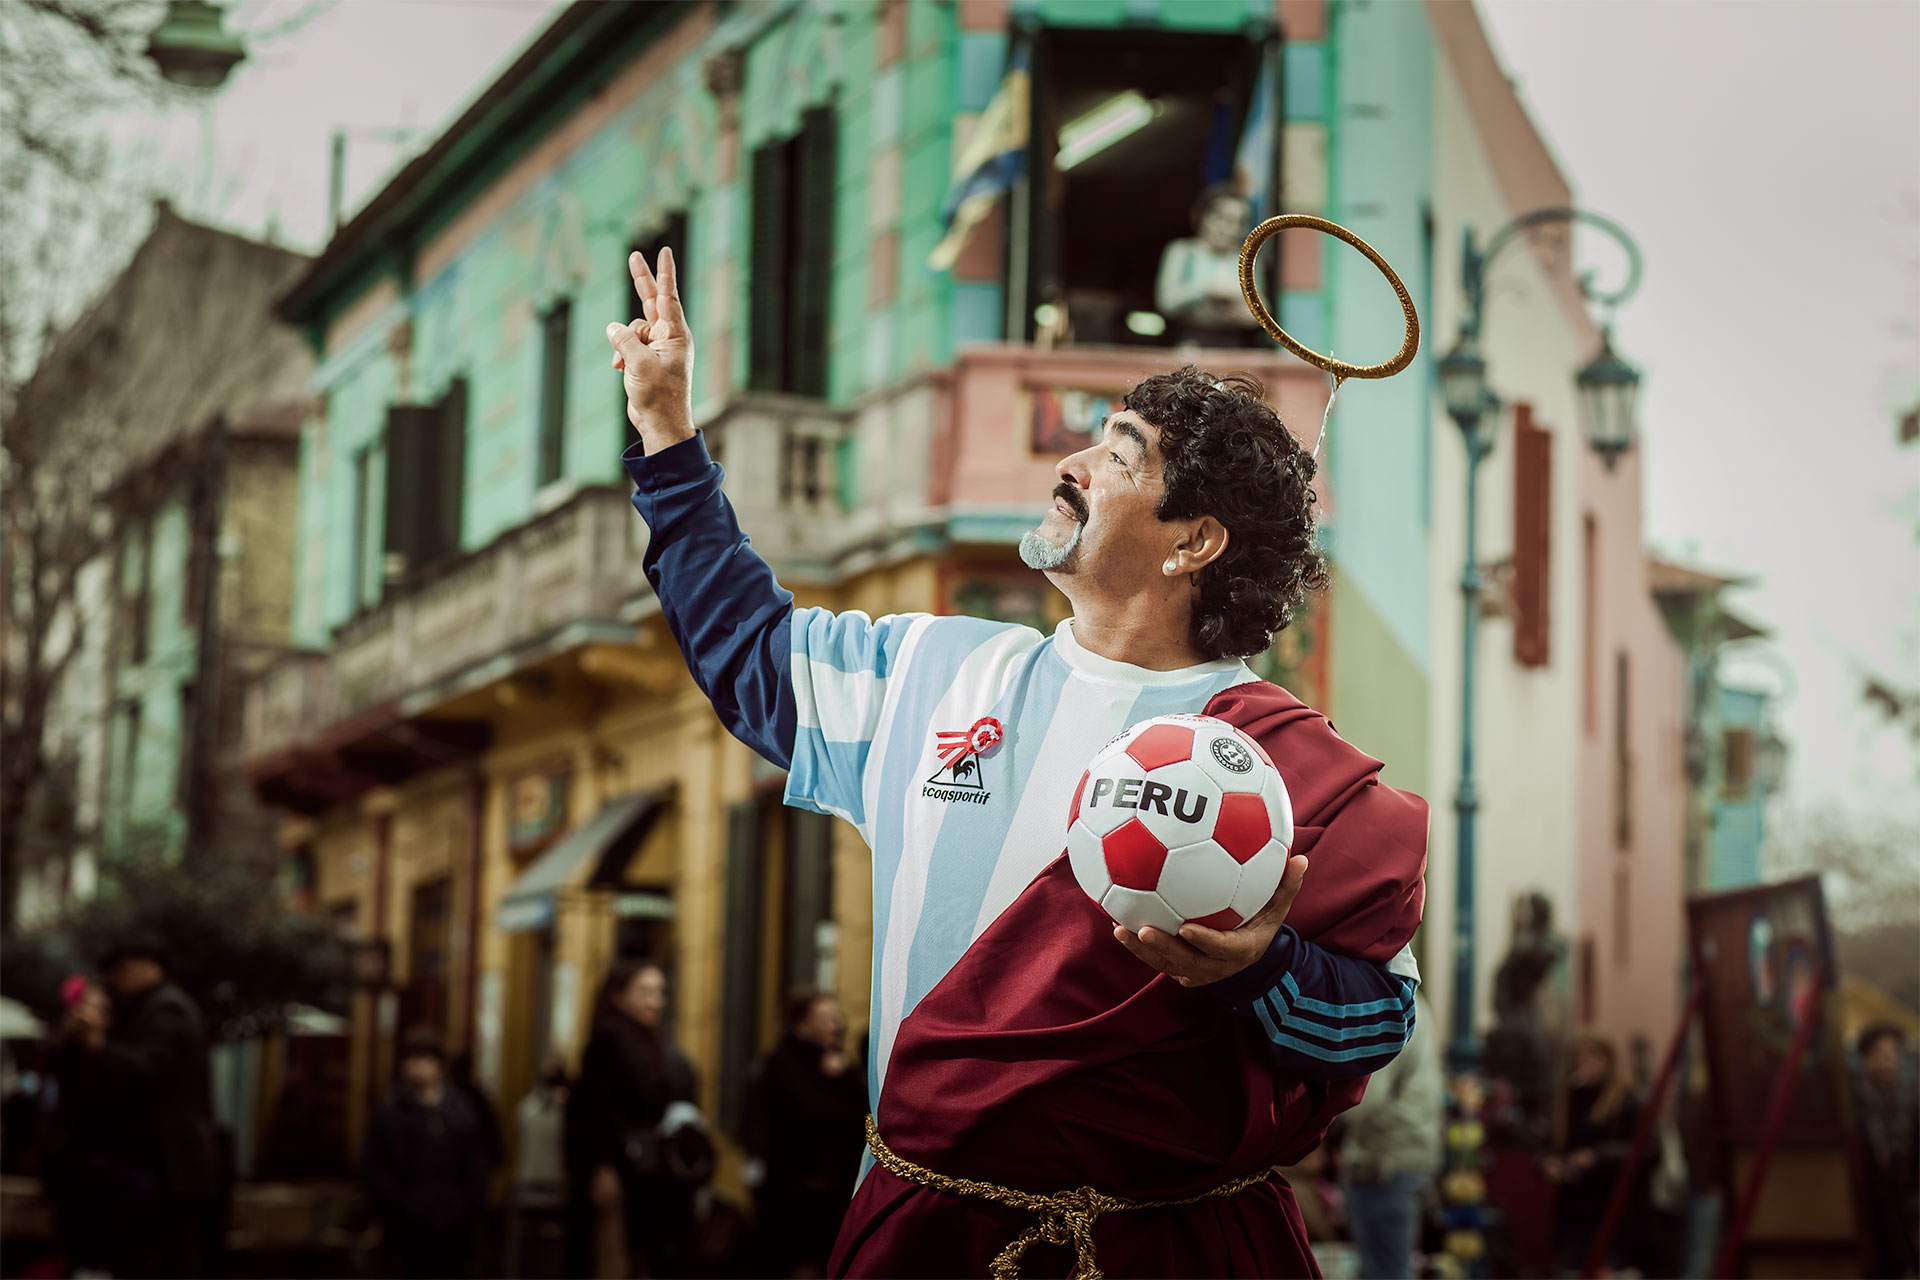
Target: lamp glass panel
<point>1608,409</point>
<point>1463,384</point>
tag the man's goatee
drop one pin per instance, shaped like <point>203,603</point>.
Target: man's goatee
<point>1040,554</point>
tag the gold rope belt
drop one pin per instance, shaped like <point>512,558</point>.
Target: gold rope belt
<point>1066,1217</point>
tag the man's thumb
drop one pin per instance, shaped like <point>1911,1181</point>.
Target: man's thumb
<point>626,342</point>
<point>1290,881</point>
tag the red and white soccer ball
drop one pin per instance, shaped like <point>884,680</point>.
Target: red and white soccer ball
<point>1180,818</point>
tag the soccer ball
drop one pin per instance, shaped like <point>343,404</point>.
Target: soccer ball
<point>1180,818</point>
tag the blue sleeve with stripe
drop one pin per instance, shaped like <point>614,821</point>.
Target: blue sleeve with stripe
<point>731,619</point>
<point>1326,1016</point>
<point>842,663</point>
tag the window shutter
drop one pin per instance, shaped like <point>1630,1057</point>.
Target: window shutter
<point>1622,751</point>
<point>809,893</point>
<point>1737,771</point>
<point>450,470</point>
<point>363,537</point>
<point>767,292</point>
<point>555,332</point>
<point>410,497</point>
<point>812,293</point>
<point>1532,537</point>
<point>739,962</point>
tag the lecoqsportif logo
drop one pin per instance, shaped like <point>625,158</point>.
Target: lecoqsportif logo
<point>960,751</point>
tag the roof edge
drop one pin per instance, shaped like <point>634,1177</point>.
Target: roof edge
<point>505,109</point>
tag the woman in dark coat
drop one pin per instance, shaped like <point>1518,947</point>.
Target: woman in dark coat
<point>806,1125</point>
<point>1601,1115</point>
<point>630,1209</point>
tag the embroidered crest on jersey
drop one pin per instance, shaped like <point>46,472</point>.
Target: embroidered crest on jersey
<point>960,776</point>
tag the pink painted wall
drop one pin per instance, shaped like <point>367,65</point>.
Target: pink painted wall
<point>981,458</point>
<point>1631,895</point>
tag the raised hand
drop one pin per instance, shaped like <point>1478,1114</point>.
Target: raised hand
<point>655,356</point>
<point>1199,955</point>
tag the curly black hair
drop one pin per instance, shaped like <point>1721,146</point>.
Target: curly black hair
<point>1227,455</point>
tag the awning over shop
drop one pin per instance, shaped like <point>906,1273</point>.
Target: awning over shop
<point>606,840</point>
<point>17,1021</point>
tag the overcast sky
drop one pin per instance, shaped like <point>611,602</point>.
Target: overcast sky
<point>1765,155</point>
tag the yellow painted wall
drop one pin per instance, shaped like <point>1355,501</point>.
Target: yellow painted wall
<point>638,723</point>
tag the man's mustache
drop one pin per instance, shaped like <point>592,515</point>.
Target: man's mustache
<point>1070,494</point>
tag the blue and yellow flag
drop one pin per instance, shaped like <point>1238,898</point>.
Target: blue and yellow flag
<point>994,159</point>
<point>1253,158</point>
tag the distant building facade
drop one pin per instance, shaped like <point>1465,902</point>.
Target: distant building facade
<point>1734,756</point>
<point>196,416</point>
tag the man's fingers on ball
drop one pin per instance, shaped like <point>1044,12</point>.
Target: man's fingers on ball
<point>1294,876</point>
<point>1211,941</point>
<point>1133,944</point>
<point>1176,952</point>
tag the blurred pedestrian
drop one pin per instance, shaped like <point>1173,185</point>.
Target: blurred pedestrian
<point>1600,1117</point>
<point>1890,1141</point>
<point>100,1196</point>
<point>426,1166</point>
<point>806,1127</point>
<point>1391,1153</point>
<point>537,1200</point>
<point>143,1063</point>
<point>630,1207</point>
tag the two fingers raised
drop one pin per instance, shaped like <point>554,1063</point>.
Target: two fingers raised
<point>662,315</point>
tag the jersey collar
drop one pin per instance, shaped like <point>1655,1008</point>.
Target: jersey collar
<point>1092,664</point>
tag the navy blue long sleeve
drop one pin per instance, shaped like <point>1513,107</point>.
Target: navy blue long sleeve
<point>1326,1016</point>
<point>732,620</point>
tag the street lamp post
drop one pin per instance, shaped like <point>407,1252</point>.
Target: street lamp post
<point>191,47</point>
<point>1607,388</point>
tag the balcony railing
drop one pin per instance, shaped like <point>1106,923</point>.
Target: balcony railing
<point>784,458</point>
<point>579,563</point>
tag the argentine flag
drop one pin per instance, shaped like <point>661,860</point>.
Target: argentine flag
<point>1253,158</point>
<point>991,162</point>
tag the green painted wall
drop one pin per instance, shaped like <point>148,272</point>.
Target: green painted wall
<point>143,773</point>
<point>1377,690</point>
<point>1178,15</point>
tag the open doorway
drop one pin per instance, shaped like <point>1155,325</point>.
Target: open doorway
<point>1129,127</point>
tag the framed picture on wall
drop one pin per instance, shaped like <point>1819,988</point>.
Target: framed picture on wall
<point>536,809</point>
<point>1063,420</point>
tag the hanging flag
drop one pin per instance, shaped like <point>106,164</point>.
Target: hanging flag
<point>1253,159</point>
<point>992,161</point>
<point>1219,166</point>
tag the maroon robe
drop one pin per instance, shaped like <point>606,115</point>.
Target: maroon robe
<point>1050,1057</point>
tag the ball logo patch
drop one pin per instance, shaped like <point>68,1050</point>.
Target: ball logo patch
<point>1232,755</point>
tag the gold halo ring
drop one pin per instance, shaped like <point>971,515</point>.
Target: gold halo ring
<point>1338,368</point>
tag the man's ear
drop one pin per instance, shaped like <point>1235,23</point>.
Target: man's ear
<point>1198,545</point>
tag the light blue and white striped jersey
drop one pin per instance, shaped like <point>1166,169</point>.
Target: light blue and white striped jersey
<point>956,836</point>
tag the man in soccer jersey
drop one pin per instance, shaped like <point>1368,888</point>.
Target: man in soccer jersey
<point>1018,1037</point>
